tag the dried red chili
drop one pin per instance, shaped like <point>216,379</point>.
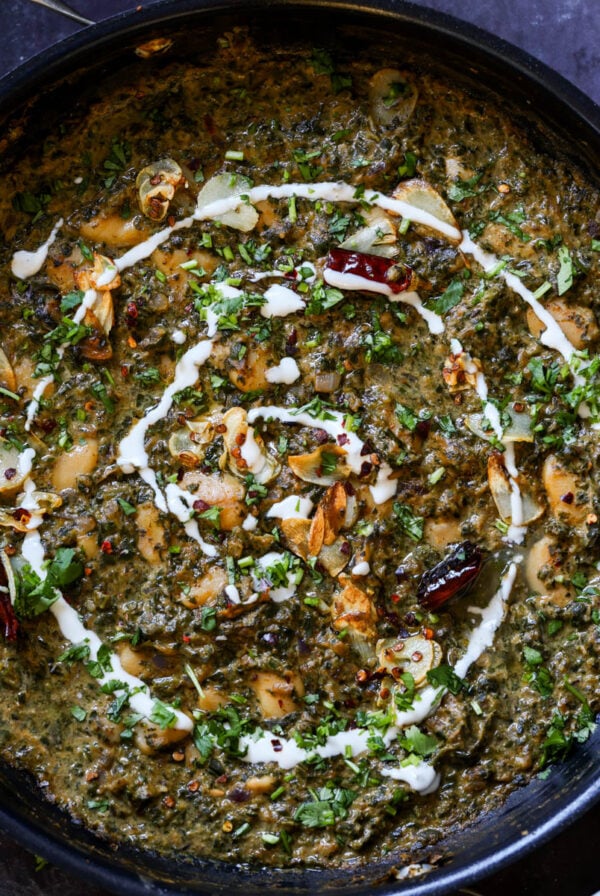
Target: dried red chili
<point>450,576</point>
<point>372,267</point>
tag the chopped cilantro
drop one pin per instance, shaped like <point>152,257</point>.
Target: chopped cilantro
<point>566,272</point>
<point>406,417</point>
<point>408,522</point>
<point>465,189</point>
<point>34,594</point>
<point>322,298</point>
<point>445,677</point>
<point>451,297</point>
<point>328,805</point>
<point>415,741</point>
<point>163,715</point>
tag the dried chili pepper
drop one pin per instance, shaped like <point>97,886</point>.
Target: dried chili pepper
<point>450,576</point>
<point>8,619</point>
<point>398,277</point>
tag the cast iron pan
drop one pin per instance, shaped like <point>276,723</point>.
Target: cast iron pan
<point>554,111</point>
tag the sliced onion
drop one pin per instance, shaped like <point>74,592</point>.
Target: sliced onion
<point>519,429</point>
<point>12,476</point>
<point>421,195</point>
<point>377,238</point>
<point>415,655</point>
<point>501,489</point>
<point>239,434</point>
<point>7,374</point>
<point>224,186</point>
<point>309,467</point>
<point>327,382</point>
<point>156,185</point>
<point>392,97</point>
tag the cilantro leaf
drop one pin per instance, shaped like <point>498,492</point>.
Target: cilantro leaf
<point>328,805</point>
<point>445,677</point>
<point>408,523</point>
<point>451,297</point>
<point>566,271</point>
<point>417,742</point>
<point>465,189</point>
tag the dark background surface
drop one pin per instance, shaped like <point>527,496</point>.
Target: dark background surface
<point>565,35</point>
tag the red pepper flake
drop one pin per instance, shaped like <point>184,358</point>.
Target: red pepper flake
<point>428,633</point>
<point>362,676</point>
<point>22,515</point>
<point>169,802</point>
<point>88,571</point>
<point>106,546</point>
<point>222,779</point>
<point>131,314</point>
<point>186,639</point>
<point>395,598</point>
<point>194,786</point>
<point>10,473</point>
<point>124,370</point>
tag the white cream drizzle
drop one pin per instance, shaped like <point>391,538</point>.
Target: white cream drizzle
<point>384,488</point>
<point>420,776</point>
<point>281,301</point>
<point>252,453</point>
<point>287,371</point>
<point>361,569</point>
<point>263,746</point>
<point>362,284</point>
<point>328,191</point>
<point>132,450</point>
<point>71,626</point>
<point>294,507</point>
<point>298,274</point>
<point>517,531</point>
<point>553,337</point>
<point>180,504</point>
<point>25,264</point>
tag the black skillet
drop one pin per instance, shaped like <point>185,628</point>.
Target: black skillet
<point>554,111</point>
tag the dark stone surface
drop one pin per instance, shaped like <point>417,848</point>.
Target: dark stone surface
<point>563,34</point>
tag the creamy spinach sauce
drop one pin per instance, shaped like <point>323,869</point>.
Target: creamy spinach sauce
<point>299,458</point>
